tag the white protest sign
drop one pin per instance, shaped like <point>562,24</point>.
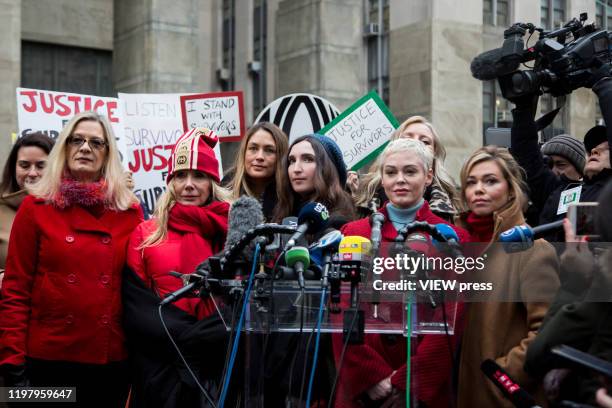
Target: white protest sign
<point>153,123</point>
<point>48,112</point>
<point>221,112</point>
<point>363,130</point>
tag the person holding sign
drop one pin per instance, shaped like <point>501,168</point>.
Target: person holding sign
<point>190,224</point>
<point>60,313</point>
<point>374,373</point>
<point>24,167</point>
<point>524,283</point>
<point>441,194</point>
<point>258,169</point>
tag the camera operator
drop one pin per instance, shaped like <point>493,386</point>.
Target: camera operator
<point>566,157</point>
<point>549,191</point>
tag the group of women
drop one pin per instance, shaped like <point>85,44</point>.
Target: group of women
<point>79,236</point>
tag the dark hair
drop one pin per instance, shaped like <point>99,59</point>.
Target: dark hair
<point>36,139</point>
<point>327,188</point>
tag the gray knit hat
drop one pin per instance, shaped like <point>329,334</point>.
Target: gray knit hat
<point>569,147</point>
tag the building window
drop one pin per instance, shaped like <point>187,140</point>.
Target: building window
<point>496,110</point>
<point>559,125</point>
<point>552,13</point>
<point>496,12</point>
<point>260,52</point>
<point>603,14</point>
<point>226,73</point>
<point>66,69</point>
<point>377,37</point>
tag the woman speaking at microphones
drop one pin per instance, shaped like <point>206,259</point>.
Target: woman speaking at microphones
<point>525,282</point>
<point>375,372</point>
<point>189,225</point>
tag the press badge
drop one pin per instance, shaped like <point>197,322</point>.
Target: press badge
<point>568,197</point>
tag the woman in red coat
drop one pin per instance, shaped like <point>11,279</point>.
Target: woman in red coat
<point>60,313</point>
<point>190,224</point>
<point>375,373</point>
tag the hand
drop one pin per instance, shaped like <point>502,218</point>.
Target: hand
<point>599,73</point>
<point>129,180</point>
<point>552,382</point>
<point>352,181</point>
<point>381,390</point>
<point>577,262</point>
<point>397,399</point>
<point>526,101</point>
<point>603,399</point>
<point>569,233</point>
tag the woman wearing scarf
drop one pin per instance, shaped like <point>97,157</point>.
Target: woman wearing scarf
<point>60,313</point>
<point>189,225</point>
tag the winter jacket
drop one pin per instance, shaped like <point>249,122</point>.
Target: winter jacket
<point>61,296</point>
<point>366,365</point>
<point>9,204</point>
<point>502,331</point>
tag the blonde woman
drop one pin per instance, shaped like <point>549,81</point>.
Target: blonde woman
<point>524,283</point>
<point>258,170</point>
<point>441,194</point>
<point>189,225</point>
<point>61,306</point>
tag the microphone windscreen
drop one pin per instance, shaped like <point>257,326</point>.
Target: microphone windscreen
<point>245,213</point>
<point>315,215</point>
<point>419,242</point>
<point>520,233</point>
<point>484,66</point>
<point>447,232</point>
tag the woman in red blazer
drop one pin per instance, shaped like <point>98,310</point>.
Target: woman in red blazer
<point>60,313</point>
<point>374,373</point>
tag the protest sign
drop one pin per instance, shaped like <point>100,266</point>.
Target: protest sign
<point>363,130</point>
<point>153,123</point>
<point>48,112</point>
<point>299,114</point>
<point>221,112</point>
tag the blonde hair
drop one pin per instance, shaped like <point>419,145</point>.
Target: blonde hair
<point>441,177</point>
<point>165,204</point>
<point>240,182</point>
<point>513,174</point>
<point>118,196</point>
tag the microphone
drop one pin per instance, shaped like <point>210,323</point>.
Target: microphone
<point>520,238</point>
<point>327,244</point>
<point>452,239</point>
<point>420,245</point>
<point>298,258</point>
<point>313,217</point>
<point>377,219</point>
<point>511,390</point>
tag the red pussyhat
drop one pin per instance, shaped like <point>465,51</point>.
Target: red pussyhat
<point>194,151</point>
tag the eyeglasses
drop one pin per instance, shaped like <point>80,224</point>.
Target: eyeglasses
<point>95,143</point>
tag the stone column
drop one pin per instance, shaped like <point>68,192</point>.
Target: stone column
<point>10,70</point>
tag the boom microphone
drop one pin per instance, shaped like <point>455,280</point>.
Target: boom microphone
<point>520,238</point>
<point>313,217</point>
<point>245,213</point>
<point>511,390</point>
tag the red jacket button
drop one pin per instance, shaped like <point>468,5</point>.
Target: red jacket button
<point>105,279</point>
<point>106,240</point>
<point>71,278</point>
<point>69,239</point>
<point>69,319</point>
<point>105,320</point>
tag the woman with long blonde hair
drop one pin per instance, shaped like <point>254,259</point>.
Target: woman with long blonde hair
<point>189,225</point>
<point>61,303</point>
<point>523,283</point>
<point>441,194</point>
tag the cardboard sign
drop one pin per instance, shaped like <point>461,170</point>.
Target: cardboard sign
<point>49,111</point>
<point>363,130</point>
<point>299,114</point>
<point>221,112</point>
<point>153,123</point>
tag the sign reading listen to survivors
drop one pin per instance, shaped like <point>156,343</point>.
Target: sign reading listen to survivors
<point>221,112</point>
<point>363,130</point>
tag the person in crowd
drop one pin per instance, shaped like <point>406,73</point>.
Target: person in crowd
<point>258,169</point>
<point>60,313</point>
<point>375,372</point>
<point>189,225</point>
<point>524,283</point>
<point>581,315</point>
<point>24,167</point>
<point>566,157</point>
<point>314,171</point>
<point>550,192</point>
<point>441,194</point>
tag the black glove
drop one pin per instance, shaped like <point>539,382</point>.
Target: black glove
<point>15,375</point>
<point>599,73</point>
<point>529,101</point>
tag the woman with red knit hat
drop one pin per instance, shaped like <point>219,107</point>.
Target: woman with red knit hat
<point>374,373</point>
<point>189,225</point>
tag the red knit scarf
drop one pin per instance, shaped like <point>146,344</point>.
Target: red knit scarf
<point>481,227</point>
<point>198,226</point>
<point>87,194</point>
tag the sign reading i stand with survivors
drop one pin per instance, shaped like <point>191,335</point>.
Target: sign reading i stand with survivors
<point>221,112</point>
<point>363,130</point>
